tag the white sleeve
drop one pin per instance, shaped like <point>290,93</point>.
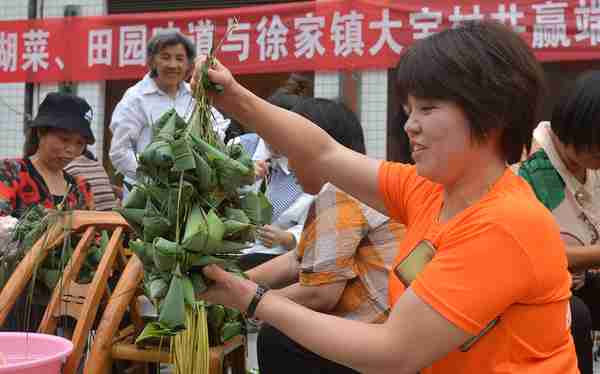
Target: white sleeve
<point>220,123</point>
<point>126,125</point>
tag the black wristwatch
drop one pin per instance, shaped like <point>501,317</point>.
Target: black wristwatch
<point>260,292</point>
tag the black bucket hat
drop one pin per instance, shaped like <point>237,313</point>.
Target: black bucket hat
<point>67,112</point>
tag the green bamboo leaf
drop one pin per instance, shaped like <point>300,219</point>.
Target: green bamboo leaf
<point>136,198</point>
<point>257,207</point>
<point>215,316</point>
<point>157,155</point>
<point>236,215</point>
<point>229,330</point>
<point>155,225</point>
<point>154,330</point>
<point>144,251</point>
<point>134,217</point>
<point>182,152</point>
<point>161,122</point>
<point>207,176</point>
<point>188,291</point>
<point>230,247</point>
<point>167,132</point>
<point>233,227</point>
<point>232,314</point>
<point>195,236</point>
<point>166,254</point>
<point>216,230</point>
<point>198,261</point>
<point>172,310</point>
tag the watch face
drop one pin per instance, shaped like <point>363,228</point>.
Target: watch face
<point>408,269</point>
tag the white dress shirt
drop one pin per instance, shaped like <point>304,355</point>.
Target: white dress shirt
<point>141,106</point>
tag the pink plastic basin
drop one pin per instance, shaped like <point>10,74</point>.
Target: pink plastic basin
<point>33,353</point>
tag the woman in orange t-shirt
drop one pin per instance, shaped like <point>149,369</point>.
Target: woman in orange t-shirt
<point>480,283</point>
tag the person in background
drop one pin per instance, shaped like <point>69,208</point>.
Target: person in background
<point>170,60</point>
<point>88,167</point>
<point>565,176</point>
<point>341,263</point>
<point>473,288</point>
<point>58,134</point>
<point>290,203</point>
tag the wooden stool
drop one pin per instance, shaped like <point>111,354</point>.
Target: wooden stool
<point>110,344</point>
<point>69,298</point>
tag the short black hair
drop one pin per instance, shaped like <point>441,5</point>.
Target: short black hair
<point>336,119</point>
<point>164,39</point>
<point>284,100</point>
<point>486,69</point>
<point>576,116</point>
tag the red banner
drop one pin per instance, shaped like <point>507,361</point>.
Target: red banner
<point>322,35</point>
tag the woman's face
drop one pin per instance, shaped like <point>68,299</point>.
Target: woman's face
<point>172,66</point>
<point>440,139</point>
<point>57,148</point>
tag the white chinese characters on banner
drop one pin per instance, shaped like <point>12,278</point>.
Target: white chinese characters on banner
<point>272,37</point>
<point>8,51</point>
<point>36,50</point>
<point>170,28</point>
<point>457,17</point>
<point>308,38</point>
<point>346,33</point>
<point>132,45</point>
<point>203,33</point>
<point>385,25</point>
<point>238,40</point>
<point>425,21</point>
<point>588,21</point>
<point>550,27</point>
<point>512,16</point>
<point>100,47</point>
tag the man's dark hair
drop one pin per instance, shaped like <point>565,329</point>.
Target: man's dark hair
<point>164,39</point>
<point>486,69</point>
<point>336,119</point>
<point>576,116</point>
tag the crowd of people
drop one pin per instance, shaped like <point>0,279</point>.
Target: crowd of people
<point>473,253</point>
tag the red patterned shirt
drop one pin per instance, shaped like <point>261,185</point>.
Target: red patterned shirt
<point>21,186</point>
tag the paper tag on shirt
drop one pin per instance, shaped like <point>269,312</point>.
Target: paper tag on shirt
<point>408,269</point>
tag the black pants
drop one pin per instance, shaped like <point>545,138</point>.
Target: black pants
<point>581,329</point>
<point>590,294</point>
<point>279,354</point>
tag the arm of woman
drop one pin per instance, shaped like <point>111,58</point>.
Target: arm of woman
<point>276,273</point>
<point>369,348</point>
<point>322,298</point>
<point>583,257</point>
<point>319,160</point>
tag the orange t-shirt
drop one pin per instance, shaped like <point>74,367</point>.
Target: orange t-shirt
<point>501,257</point>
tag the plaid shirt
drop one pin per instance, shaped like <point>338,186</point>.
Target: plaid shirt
<point>22,186</point>
<point>345,240</point>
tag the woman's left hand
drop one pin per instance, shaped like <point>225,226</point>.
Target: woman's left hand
<point>229,289</point>
<point>272,236</point>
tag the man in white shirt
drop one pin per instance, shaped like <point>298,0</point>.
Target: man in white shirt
<point>170,60</point>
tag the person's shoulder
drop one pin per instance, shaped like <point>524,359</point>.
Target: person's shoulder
<point>514,208</point>
<point>138,90</point>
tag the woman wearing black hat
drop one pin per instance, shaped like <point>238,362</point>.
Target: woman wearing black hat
<point>58,134</point>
